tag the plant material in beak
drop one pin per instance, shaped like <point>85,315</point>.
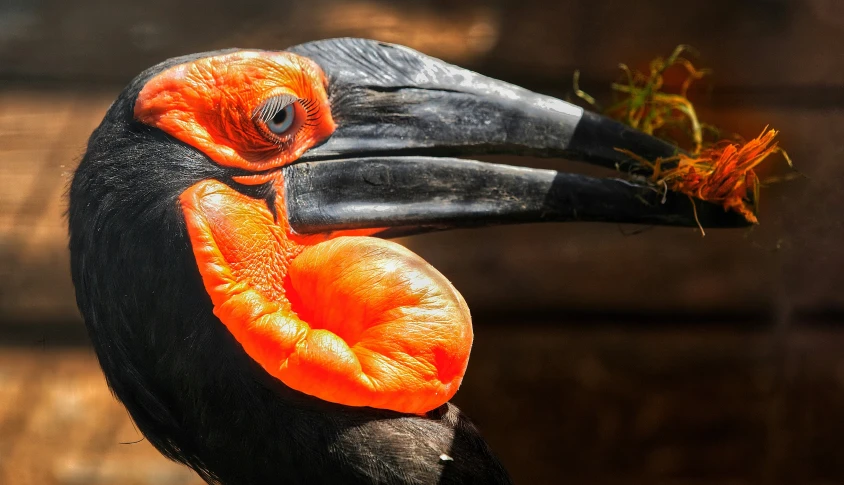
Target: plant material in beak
<point>712,168</point>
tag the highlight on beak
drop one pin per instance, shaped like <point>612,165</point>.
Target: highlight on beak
<point>401,115</point>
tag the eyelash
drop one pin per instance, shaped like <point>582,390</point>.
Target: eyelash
<point>312,110</point>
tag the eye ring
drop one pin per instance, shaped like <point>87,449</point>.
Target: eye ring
<point>280,117</point>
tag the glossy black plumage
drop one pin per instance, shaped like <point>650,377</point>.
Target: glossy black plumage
<point>186,382</point>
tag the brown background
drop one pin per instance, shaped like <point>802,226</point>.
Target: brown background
<point>603,354</point>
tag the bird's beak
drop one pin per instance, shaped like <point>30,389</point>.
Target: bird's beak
<point>399,113</point>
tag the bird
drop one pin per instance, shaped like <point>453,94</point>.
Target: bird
<point>229,233</point>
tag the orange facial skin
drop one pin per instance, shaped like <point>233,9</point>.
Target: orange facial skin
<point>211,104</point>
<point>344,317</point>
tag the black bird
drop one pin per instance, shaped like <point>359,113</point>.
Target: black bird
<point>227,239</point>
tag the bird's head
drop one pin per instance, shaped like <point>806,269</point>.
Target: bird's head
<point>219,224</point>
<point>358,123</point>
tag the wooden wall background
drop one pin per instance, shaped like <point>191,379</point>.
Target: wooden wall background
<point>602,355</point>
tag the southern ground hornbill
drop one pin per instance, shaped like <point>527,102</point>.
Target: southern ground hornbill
<point>227,235</point>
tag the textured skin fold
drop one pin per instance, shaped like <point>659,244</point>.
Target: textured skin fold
<point>346,318</point>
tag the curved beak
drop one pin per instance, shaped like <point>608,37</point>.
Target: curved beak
<point>398,111</point>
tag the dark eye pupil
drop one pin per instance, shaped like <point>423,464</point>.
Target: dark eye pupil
<point>280,117</point>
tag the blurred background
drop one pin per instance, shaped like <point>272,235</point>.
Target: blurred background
<point>603,354</point>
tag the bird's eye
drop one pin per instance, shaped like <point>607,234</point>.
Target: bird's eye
<point>279,117</point>
<point>282,120</point>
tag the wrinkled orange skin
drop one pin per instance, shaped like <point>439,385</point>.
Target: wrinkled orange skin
<point>344,317</point>
<point>210,103</point>
<point>354,320</point>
